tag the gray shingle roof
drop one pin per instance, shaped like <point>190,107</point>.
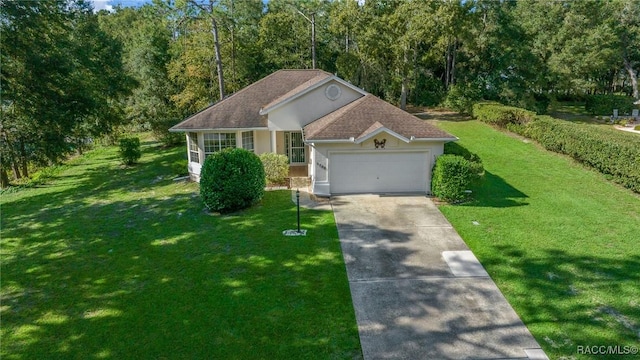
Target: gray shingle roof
<point>241,109</point>
<point>366,115</point>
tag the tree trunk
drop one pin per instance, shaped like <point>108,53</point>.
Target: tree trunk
<point>313,41</point>
<point>453,62</point>
<point>346,42</point>
<point>403,94</point>
<point>633,76</point>
<point>23,160</point>
<point>234,82</point>
<point>447,69</point>
<point>4,178</point>
<point>216,42</point>
<point>16,170</point>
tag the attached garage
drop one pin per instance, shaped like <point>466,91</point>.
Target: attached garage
<point>379,172</point>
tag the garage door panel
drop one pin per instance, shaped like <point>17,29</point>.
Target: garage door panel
<point>379,172</point>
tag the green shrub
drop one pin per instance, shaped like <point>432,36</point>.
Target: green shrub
<point>453,148</point>
<point>452,175</point>
<point>637,127</point>
<point>130,151</point>
<point>614,153</point>
<point>501,115</point>
<point>231,180</point>
<point>461,98</point>
<point>604,104</point>
<point>276,167</point>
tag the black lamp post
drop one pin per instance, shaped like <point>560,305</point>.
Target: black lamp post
<point>298,203</point>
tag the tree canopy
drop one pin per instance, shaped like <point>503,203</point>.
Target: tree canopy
<point>69,74</point>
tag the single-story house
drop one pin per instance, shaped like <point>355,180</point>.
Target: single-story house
<point>343,138</point>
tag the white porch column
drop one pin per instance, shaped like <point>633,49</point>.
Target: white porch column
<point>273,141</point>
<point>239,139</point>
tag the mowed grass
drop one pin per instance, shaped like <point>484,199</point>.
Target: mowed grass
<point>113,262</point>
<point>561,242</point>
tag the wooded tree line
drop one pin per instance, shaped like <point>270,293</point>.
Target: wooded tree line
<point>69,74</point>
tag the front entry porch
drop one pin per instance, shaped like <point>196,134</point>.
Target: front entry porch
<point>299,177</point>
<point>298,171</point>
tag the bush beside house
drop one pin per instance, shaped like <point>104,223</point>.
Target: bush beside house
<point>452,176</point>
<point>231,180</point>
<point>276,168</point>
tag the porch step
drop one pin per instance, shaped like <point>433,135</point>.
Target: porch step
<point>298,182</point>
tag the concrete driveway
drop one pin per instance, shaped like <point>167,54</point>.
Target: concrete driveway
<point>417,290</point>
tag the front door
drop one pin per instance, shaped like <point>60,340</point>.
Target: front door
<point>294,148</point>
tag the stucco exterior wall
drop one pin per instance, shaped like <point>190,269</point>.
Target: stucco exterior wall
<point>310,107</point>
<point>262,141</point>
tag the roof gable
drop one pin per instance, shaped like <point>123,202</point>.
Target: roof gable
<point>376,129</point>
<point>367,117</point>
<point>304,89</point>
<point>242,109</point>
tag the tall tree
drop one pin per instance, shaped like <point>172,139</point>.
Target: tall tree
<point>145,33</point>
<point>211,11</point>
<point>625,21</point>
<point>61,78</point>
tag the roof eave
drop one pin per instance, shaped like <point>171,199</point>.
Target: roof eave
<point>436,139</point>
<point>218,129</point>
<point>329,141</point>
<point>354,141</point>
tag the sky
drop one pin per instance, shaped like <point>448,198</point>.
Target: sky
<point>110,4</point>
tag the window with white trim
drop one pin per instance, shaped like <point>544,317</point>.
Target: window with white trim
<point>193,148</point>
<point>218,141</point>
<point>247,140</point>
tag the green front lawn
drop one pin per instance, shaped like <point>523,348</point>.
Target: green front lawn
<point>124,263</point>
<point>561,242</point>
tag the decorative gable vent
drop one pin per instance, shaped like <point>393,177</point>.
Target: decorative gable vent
<point>333,92</point>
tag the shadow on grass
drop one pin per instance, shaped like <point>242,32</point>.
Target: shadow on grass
<point>443,116</point>
<point>122,262</point>
<point>494,191</point>
<point>593,298</point>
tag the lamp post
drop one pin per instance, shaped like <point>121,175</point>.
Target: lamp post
<point>298,204</point>
<point>313,36</point>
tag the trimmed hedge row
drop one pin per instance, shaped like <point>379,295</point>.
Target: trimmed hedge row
<point>604,104</point>
<point>614,153</point>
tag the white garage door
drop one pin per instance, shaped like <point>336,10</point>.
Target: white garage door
<point>378,172</point>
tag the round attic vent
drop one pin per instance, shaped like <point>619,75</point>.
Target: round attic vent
<point>333,92</point>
